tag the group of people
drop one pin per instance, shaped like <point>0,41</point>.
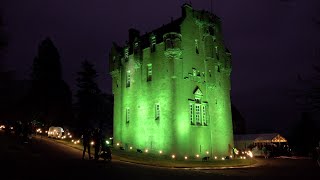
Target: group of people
<point>95,136</point>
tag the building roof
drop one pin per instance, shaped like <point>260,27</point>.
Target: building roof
<point>173,26</point>
<point>269,137</point>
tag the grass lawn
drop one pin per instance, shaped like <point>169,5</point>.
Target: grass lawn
<point>168,161</point>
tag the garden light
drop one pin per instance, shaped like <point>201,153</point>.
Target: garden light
<point>250,154</point>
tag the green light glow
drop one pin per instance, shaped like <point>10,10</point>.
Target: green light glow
<point>187,70</point>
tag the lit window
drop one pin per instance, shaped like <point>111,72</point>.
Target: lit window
<point>157,111</point>
<point>128,79</point>
<point>149,76</point>
<point>127,115</point>
<point>191,114</point>
<point>198,118</point>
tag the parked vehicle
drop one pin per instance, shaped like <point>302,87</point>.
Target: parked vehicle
<point>55,132</point>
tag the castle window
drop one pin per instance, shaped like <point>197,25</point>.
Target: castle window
<point>198,109</point>
<point>126,54</point>
<point>149,75</point>
<point>218,68</point>
<point>127,115</point>
<point>153,43</point>
<point>153,47</point>
<point>191,114</point>
<point>198,100</point>
<point>169,44</point>
<point>136,48</point>
<point>197,114</point>
<point>197,46</point>
<point>210,73</point>
<point>204,115</point>
<point>128,79</point>
<point>157,111</point>
<point>194,72</point>
<point>217,52</point>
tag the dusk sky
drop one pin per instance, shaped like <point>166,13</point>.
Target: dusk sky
<point>271,41</point>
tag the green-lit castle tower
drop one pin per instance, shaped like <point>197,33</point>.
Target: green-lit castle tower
<point>172,88</point>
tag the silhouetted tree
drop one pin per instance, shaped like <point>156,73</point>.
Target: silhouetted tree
<point>3,47</point>
<point>51,96</point>
<point>106,114</point>
<point>304,137</point>
<point>88,96</point>
<point>3,38</point>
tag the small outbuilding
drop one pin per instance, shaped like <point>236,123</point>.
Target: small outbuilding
<point>245,141</point>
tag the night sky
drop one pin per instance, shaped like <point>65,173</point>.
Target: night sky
<point>271,41</point>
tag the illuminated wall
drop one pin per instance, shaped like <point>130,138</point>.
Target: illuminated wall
<point>172,88</point>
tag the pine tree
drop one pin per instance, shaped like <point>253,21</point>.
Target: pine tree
<point>51,96</point>
<point>88,96</point>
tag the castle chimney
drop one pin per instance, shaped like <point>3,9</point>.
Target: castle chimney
<point>133,34</point>
<point>185,8</point>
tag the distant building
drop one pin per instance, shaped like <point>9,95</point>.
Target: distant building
<point>247,141</point>
<point>172,88</point>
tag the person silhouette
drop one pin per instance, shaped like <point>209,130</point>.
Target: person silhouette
<point>86,136</point>
<point>97,142</point>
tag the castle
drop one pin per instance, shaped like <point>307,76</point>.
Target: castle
<point>172,88</point>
